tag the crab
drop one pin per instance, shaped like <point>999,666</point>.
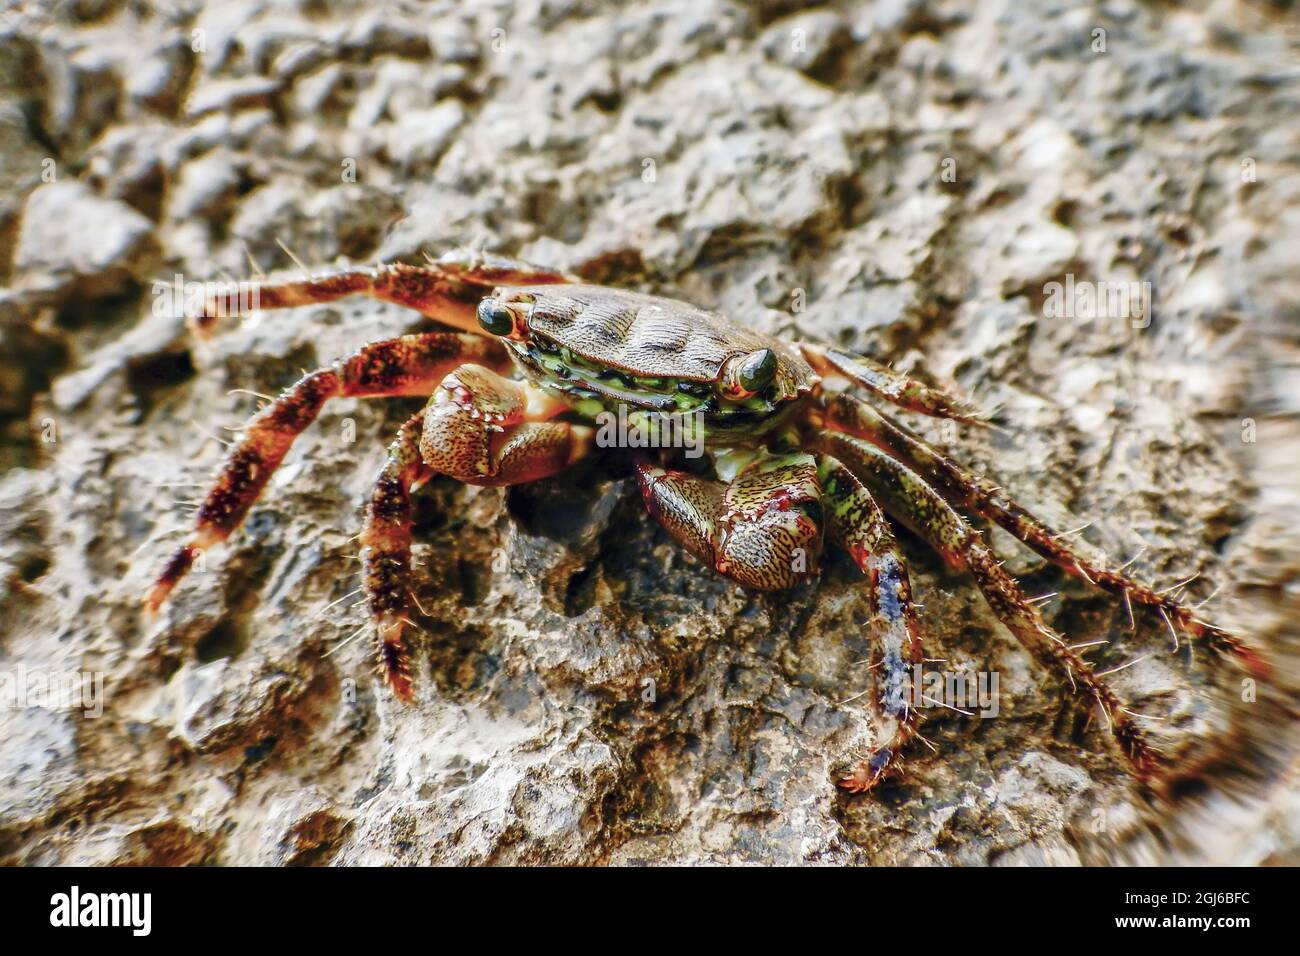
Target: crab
<point>529,360</point>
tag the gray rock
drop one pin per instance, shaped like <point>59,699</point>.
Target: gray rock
<point>420,137</point>
<point>807,41</point>
<point>77,242</point>
<point>906,181</point>
<point>227,95</point>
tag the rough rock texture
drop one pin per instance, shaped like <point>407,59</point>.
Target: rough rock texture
<point>903,178</point>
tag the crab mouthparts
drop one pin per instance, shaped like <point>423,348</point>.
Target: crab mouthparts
<point>660,403</point>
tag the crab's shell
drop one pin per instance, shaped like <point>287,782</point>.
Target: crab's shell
<point>649,336</point>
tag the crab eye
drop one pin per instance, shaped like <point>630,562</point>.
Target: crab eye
<point>756,369</point>
<point>495,318</point>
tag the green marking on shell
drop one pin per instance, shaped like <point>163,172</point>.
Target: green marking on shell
<point>562,363</point>
<point>591,388</point>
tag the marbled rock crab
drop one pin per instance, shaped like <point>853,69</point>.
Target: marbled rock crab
<point>795,453</point>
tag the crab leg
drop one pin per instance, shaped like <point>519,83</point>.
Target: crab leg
<point>386,552</point>
<point>883,381</point>
<point>478,428</point>
<point>447,290</point>
<point>907,497</point>
<point>857,524</point>
<point>852,415</point>
<point>409,365</point>
<point>763,528</point>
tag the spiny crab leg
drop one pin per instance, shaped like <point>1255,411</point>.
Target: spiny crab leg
<point>907,496</point>
<point>884,382</point>
<point>850,414</point>
<point>409,365</point>
<point>447,290</point>
<point>386,553</point>
<point>857,524</point>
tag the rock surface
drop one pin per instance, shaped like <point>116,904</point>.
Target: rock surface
<point>902,178</point>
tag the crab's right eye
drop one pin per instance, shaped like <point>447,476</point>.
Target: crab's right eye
<point>756,370</point>
<point>495,318</point>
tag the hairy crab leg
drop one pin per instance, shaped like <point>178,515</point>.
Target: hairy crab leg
<point>478,428</point>
<point>907,496</point>
<point>386,553</point>
<point>852,415</point>
<point>762,528</point>
<point>447,290</point>
<point>883,381</point>
<point>857,524</point>
<point>409,365</point>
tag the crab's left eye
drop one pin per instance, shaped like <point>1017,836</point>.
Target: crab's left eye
<point>495,318</point>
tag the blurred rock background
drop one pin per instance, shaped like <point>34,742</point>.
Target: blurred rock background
<point>903,178</point>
